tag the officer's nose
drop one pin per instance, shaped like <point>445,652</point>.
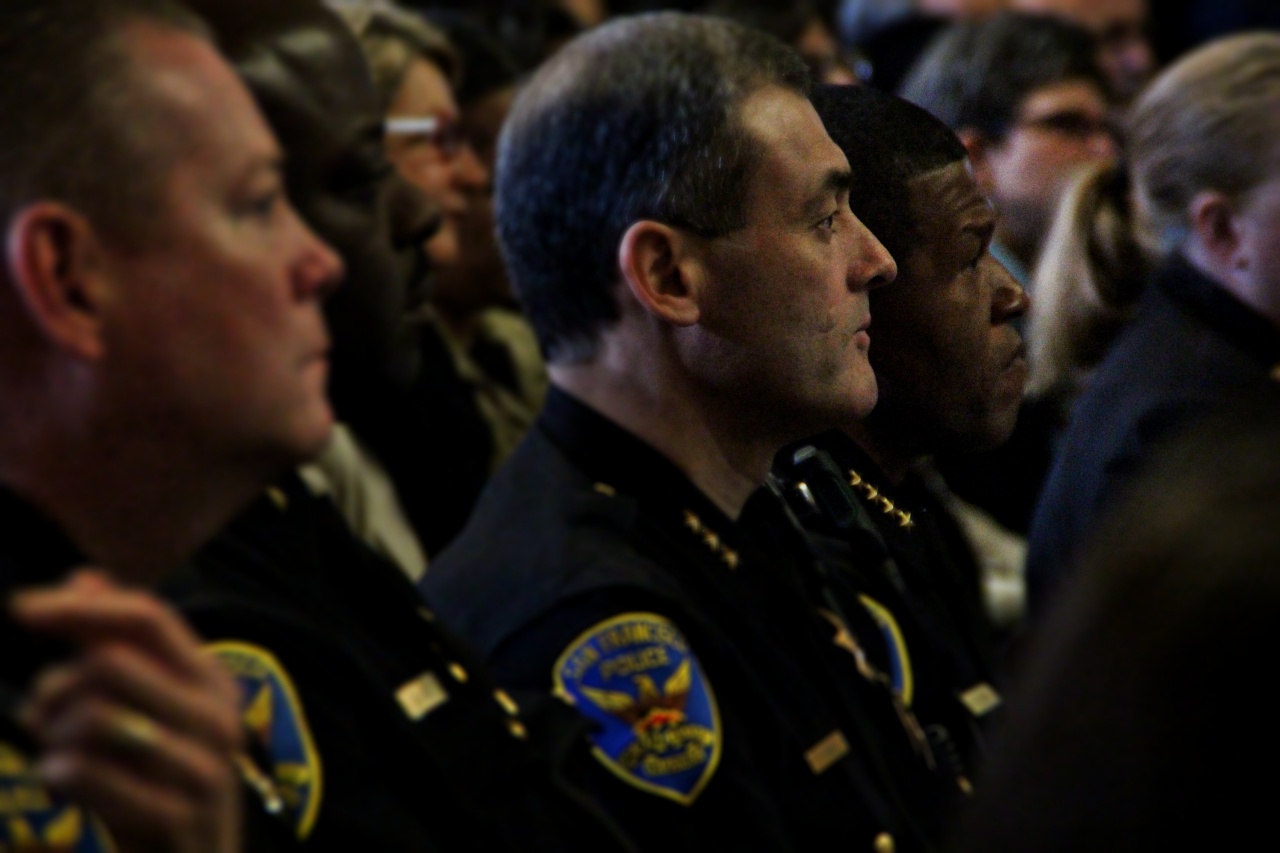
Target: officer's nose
<point>871,265</point>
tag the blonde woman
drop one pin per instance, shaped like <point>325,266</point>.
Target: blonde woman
<point>1206,179</point>
<point>1087,284</point>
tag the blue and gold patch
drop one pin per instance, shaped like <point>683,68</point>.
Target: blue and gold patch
<point>273,714</point>
<point>32,818</point>
<point>659,725</point>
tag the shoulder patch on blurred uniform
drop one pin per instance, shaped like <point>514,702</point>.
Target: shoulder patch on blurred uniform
<point>900,674</point>
<point>32,818</point>
<point>273,715</point>
<point>659,725</point>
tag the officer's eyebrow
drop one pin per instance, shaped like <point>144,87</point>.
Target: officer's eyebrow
<point>835,186</point>
<point>981,224</point>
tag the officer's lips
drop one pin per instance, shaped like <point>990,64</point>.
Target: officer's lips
<point>862,335</point>
<point>1014,373</point>
<point>318,359</point>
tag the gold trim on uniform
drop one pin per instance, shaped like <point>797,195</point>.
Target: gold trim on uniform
<point>422,695</point>
<point>826,752</point>
<point>459,672</point>
<point>879,501</point>
<point>727,555</point>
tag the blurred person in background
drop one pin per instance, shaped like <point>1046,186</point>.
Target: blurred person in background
<point>1029,101</point>
<point>799,24</point>
<point>1207,332</point>
<point>494,354</point>
<point>1122,30</point>
<point>888,36</point>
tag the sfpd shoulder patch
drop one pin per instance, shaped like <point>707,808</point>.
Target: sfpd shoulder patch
<point>659,725</point>
<point>273,715</point>
<point>32,818</point>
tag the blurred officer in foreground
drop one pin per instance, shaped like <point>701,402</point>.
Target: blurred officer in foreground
<point>1207,331</point>
<point>383,732</point>
<point>1140,722</point>
<point>1121,28</point>
<point>677,225</point>
<point>950,371</point>
<point>1027,97</point>
<point>162,355</point>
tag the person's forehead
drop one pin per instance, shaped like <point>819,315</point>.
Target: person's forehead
<point>1083,95</point>
<point>948,198</point>
<point>796,154</point>
<point>186,82</point>
<point>425,90</point>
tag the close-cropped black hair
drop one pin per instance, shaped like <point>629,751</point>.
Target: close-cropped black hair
<point>889,142</point>
<point>977,74</point>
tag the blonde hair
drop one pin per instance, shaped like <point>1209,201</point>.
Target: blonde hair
<point>1210,121</point>
<point>1087,281</point>
<point>392,39</point>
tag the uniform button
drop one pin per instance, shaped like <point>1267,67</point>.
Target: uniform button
<point>278,497</point>
<point>517,729</point>
<point>459,672</point>
<point>883,843</point>
<point>426,614</point>
<point>508,704</point>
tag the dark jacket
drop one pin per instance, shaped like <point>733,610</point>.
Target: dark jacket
<point>1191,350</point>
<point>35,553</point>
<point>909,554</point>
<point>384,731</point>
<point>587,530</point>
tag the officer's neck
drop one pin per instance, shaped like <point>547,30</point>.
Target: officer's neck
<point>658,405</point>
<point>129,509</point>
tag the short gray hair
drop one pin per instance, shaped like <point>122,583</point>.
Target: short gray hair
<point>637,119</point>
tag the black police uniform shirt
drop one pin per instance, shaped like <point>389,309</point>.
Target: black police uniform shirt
<point>728,705</point>
<point>1192,349</point>
<point>383,732</point>
<point>920,581</point>
<point>35,553</point>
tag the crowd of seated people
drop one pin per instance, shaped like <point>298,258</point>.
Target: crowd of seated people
<point>586,425</point>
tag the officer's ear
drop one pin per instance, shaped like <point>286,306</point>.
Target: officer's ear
<point>53,258</point>
<point>654,258</point>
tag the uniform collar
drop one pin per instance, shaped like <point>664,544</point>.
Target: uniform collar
<point>866,478</point>
<point>618,459</point>
<point>1212,304</point>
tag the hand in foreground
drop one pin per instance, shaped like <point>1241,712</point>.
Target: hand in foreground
<point>142,727</point>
